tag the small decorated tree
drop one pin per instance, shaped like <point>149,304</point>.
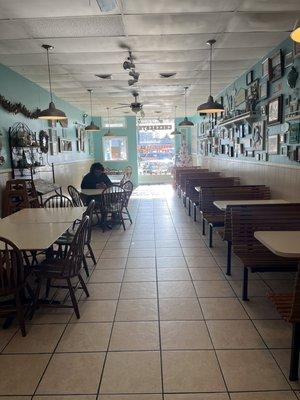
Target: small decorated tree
<point>184,159</point>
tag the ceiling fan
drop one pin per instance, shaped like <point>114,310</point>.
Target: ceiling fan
<point>136,106</point>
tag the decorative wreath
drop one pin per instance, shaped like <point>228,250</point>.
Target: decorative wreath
<point>44,141</point>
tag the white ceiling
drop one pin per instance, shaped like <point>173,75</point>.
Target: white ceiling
<point>165,36</point>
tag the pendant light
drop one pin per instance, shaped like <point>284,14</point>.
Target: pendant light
<point>51,113</point>
<point>185,122</point>
<point>176,131</point>
<point>295,35</point>
<point>91,127</point>
<point>211,106</point>
<point>108,133</point>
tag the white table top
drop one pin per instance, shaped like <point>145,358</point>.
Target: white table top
<point>32,236</point>
<point>91,192</point>
<point>45,215</point>
<point>222,204</point>
<point>281,243</point>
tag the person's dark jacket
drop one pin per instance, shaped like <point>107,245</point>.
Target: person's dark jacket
<point>90,181</point>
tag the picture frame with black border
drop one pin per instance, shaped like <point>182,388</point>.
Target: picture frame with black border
<point>264,157</point>
<point>284,151</point>
<point>266,70</point>
<point>277,65</point>
<point>274,111</point>
<point>264,90</point>
<point>296,50</point>
<point>273,144</point>
<point>288,59</point>
<point>249,77</point>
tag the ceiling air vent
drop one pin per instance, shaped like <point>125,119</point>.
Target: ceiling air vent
<point>103,76</point>
<point>167,74</point>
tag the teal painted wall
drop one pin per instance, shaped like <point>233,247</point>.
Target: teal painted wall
<point>16,88</point>
<point>130,133</point>
<point>276,88</point>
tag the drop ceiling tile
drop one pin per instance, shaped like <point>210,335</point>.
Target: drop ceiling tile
<point>263,22</point>
<point>251,39</point>
<point>178,6</point>
<point>161,24</point>
<point>266,5</point>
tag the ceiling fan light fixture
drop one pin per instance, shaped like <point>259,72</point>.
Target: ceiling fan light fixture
<point>51,113</point>
<point>295,35</point>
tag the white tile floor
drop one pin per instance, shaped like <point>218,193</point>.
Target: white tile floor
<point>163,322</point>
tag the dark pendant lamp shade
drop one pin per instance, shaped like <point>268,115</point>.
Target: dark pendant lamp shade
<point>176,131</point>
<point>185,122</point>
<point>91,127</point>
<point>211,106</point>
<point>51,113</point>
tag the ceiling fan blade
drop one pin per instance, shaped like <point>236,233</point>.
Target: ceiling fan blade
<point>115,108</point>
<point>124,104</point>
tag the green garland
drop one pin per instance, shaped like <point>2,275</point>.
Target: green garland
<point>16,108</point>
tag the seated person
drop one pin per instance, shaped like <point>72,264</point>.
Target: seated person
<point>96,178</point>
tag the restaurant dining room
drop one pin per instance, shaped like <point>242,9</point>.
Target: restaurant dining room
<point>149,199</point>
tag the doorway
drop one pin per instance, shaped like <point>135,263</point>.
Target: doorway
<point>155,150</point>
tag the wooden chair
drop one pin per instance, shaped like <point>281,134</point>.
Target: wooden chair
<point>13,276</point>
<point>128,187</point>
<point>112,203</point>
<point>58,201</point>
<point>288,306</point>
<point>65,240</point>
<point>64,269</point>
<point>215,217</point>
<point>75,196</point>
<point>245,220</point>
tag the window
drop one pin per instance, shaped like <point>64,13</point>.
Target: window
<point>115,122</point>
<point>115,148</point>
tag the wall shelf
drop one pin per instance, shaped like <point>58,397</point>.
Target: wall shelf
<point>245,117</point>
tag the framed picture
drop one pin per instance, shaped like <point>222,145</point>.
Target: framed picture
<point>258,135</point>
<point>296,50</point>
<point>264,156</point>
<point>264,90</point>
<point>266,70</point>
<point>288,59</point>
<point>277,66</point>
<point>284,151</point>
<point>273,143</point>
<point>275,111</point>
<point>249,78</point>
<point>294,133</point>
<point>282,138</point>
<point>66,145</point>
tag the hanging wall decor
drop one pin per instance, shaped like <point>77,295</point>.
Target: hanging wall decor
<point>44,141</point>
<point>18,108</point>
<point>258,135</point>
<point>273,144</point>
<point>292,77</point>
<point>277,65</point>
<point>266,69</point>
<point>275,110</point>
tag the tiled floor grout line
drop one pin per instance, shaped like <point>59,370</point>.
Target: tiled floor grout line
<point>208,332</point>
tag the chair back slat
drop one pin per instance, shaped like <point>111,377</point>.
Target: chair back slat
<point>74,257</point>
<point>58,201</point>
<point>12,272</point>
<point>113,199</point>
<point>75,196</point>
<point>89,213</point>
<point>128,187</point>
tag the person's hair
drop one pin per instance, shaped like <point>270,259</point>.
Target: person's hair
<point>96,166</point>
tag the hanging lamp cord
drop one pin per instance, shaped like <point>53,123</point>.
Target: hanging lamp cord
<point>108,117</point>
<point>49,76</point>
<point>91,105</point>
<point>210,69</point>
<point>185,101</point>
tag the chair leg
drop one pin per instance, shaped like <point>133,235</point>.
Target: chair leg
<point>91,253</point>
<point>245,284</point>
<point>48,285</point>
<point>210,244</point>
<point>36,298</point>
<point>228,271</point>
<point>85,266</point>
<point>20,314</point>
<point>294,363</point>
<point>203,226</point>
<point>129,216</point>
<point>73,298</point>
<point>122,220</point>
<point>195,213</point>
<point>83,285</point>
<point>189,207</point>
